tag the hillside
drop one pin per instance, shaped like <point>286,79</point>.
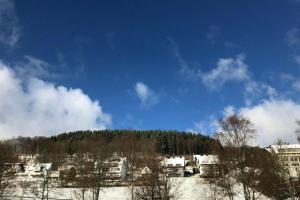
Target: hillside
<point>163,142</point>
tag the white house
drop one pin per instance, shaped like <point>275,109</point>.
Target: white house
<point>175,165</point>
<point>116,167</point>
<point>15,167</point>
<point>289,155</point>
<point>36,169</point>
<point>207,164</point>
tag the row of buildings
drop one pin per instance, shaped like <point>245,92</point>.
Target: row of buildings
<point>205,165</point>
<point>116,167</point>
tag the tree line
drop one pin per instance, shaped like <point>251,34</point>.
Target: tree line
<point>166,142</point>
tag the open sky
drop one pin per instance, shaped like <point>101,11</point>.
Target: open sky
<point>129,64</point>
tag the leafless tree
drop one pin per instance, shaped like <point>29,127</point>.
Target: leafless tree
<point>289,184</point>
<point>42,187</point>
<point>7,186</point>
<point>83,171</point>
<point>155,185</point>
<point>236,134</point>
<point>131,150</point>
<point>96,168</point>
<point>226,182</point>
<point>97,175</point>
<point>236,131</point>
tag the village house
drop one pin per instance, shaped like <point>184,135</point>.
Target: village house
<point>15,167</point>
<point>33,169</point>
<point>207,164</point>
<point>116,168</point>
<point>175,165</point>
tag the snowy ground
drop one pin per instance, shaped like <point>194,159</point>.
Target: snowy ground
<point>191,188</point>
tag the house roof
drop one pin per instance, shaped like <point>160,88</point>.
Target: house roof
<point>276,148</point>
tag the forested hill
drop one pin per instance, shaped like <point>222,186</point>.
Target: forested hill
<point>163,142</point>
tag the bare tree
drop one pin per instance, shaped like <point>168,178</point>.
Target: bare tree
<point>236,131</point>
<point>7,173</point>
<point>155,185</point>
<point>132,155</point>
<point>6,184</point>
<point>97,175</point>
<point>83,168</point>
<point>236,134</point>
<point>41,187</point>
<point>288,182</point>
<point>226,182</point>
<point>96,168</point>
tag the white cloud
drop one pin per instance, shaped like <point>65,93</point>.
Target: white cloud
<point>236,70</point>
<point>35,107</point>
<point>292,37</point>
<point>227,69</point>
<point>273,119</point>
<point>10,29</point>
<point>146,96</point>
<point>231,69</point>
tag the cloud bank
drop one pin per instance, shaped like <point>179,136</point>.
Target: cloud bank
<point>34,107</point>
<point>274,119</point>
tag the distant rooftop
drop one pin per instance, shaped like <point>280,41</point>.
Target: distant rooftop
<point>277,148</point>
<point>286,146</point>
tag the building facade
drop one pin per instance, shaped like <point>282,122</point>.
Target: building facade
<point>175,165</point>
<point>289,156</point>
<point>208,165</point>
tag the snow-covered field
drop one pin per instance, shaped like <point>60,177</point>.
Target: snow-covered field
<point>191,188</point>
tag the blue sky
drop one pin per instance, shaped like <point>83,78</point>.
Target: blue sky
<point>152,64</point>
